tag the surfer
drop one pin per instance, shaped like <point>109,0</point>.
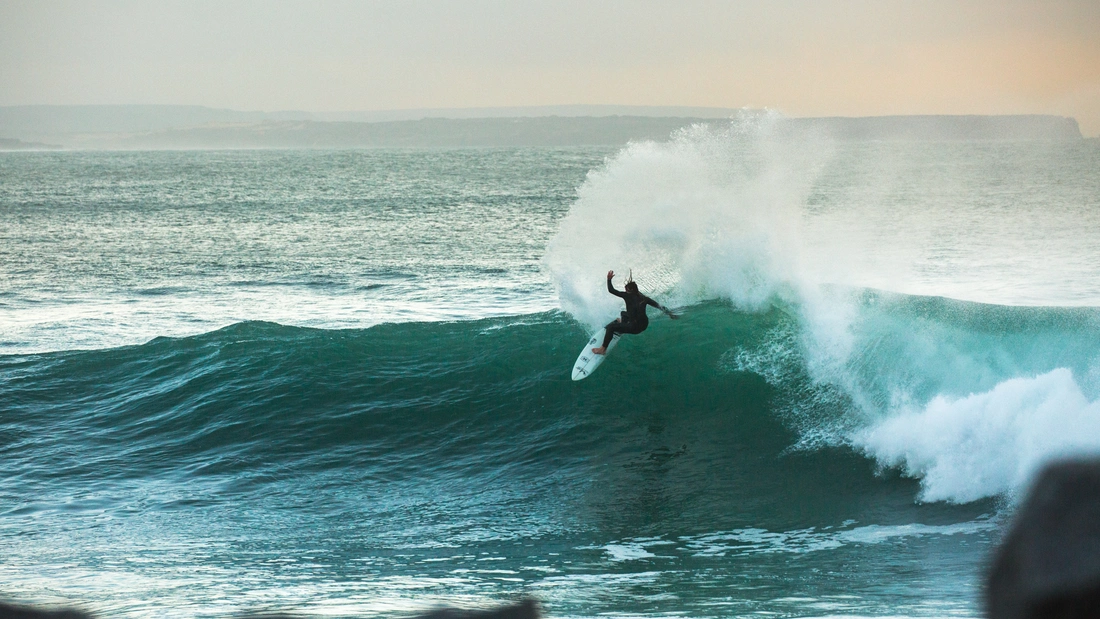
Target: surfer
<point>633,320</point>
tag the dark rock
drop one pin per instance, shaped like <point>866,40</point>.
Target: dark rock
<point>10,611</point>
<point>527,609</point>
<point>1048,565</point>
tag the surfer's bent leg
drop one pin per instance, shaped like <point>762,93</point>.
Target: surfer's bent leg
<point>618,326</point>
<point>609,332</point>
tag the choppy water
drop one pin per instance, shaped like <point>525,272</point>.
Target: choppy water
<point>337,382</point>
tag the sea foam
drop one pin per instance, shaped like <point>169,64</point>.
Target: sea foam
<point>990,443</point>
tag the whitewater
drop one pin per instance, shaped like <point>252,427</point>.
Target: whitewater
<point>336,382</point>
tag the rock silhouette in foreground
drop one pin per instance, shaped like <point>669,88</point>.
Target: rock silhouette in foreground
<point>1048,564</point>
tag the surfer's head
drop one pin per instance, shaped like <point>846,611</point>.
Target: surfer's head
<point>631,287</point>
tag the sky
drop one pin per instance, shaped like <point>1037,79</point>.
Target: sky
<point>803,58</point>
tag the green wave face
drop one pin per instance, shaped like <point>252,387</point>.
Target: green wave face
<point>464,398</point>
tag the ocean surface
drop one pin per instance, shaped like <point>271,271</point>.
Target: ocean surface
<point>337,382</point>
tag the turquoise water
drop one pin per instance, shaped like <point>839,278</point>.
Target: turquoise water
<point>338,382</point>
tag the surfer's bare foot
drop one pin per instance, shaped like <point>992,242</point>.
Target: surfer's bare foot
<point>600,350</point>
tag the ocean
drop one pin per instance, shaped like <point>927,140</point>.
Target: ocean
<point>338,382</point>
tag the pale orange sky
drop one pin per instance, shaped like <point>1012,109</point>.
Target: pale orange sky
<point>804,58</point>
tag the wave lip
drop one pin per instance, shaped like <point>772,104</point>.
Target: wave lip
<point>991,443</point>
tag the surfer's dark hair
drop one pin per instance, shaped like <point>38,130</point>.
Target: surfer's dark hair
<point>631,286</point>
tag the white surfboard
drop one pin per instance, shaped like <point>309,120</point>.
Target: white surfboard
<point>588,361</point>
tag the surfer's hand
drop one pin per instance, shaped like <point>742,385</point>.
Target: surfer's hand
<point>610,274</point>
<point>673,316</point>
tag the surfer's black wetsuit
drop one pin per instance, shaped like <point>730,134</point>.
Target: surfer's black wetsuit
<point>633,320</point>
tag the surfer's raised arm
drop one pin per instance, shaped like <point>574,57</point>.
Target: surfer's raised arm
<point>611,287</point>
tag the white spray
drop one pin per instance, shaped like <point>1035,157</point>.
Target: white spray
<point>713,213</point>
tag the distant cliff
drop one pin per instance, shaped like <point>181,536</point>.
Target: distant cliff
<point>192,127</point>
<point>580,131</point>
<point>425,133</point>
<point>942,128</point>
<point>10,144</point>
